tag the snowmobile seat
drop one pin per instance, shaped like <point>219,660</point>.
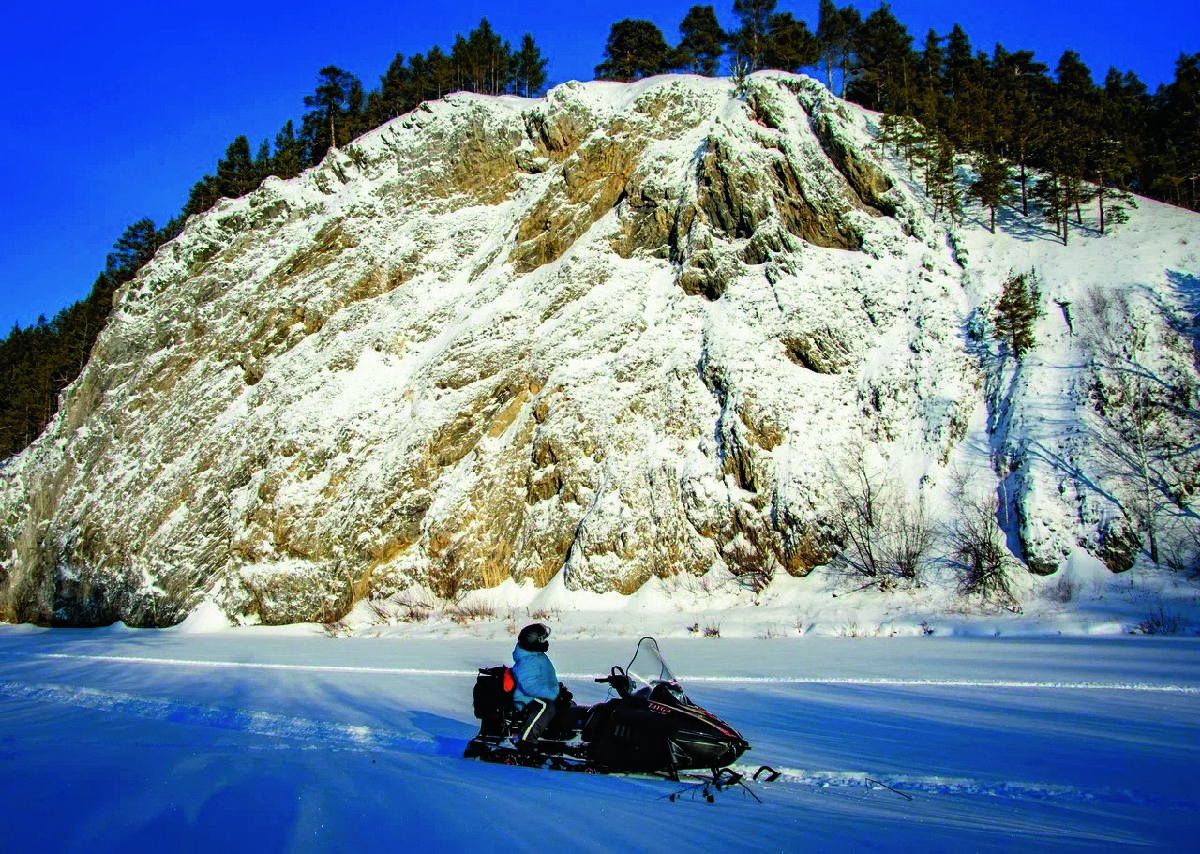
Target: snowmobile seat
<point>595,722</point>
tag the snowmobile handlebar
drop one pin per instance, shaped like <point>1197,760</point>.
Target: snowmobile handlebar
<point>619,681</point>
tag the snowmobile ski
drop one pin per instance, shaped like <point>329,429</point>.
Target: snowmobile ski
<point>706,788</point>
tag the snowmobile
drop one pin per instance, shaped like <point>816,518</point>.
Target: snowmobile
<point>650,726</point>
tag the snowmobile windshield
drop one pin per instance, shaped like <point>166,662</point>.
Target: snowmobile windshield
<point>648,670</point>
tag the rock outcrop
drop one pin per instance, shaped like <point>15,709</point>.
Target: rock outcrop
<point>618,333</point>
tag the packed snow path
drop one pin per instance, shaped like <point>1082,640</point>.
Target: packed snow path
<point>257,740</point>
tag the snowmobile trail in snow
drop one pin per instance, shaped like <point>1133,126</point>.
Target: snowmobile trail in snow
<point>697,679</point>
<point>332,735</point>
<point>913,784</point>
<point>327,734</point>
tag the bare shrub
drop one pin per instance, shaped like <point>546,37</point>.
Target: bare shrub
<point>911,540</point>
<point>448,583</point>
<point>886,535</point>
<point>1161,622</point>
<point>414,609</point>
<point>976,551</point>
<point>1065,589</point>
<point>774,631</point>
<point>467,613</point>
<point>1143,419</point>
<point>1181,548</point>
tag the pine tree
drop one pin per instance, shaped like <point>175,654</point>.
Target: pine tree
<point>482,60</point>
<point>1124,105</point>
<point>1017,311</point>
<point>1075,122</point>
<point>394,96</point>
<point>887,65</point>
<point>958,62</point>
<point>236,174</point>
<point>965,86</point>
<point>933,61</point>
<point>202,196</point>
<point>702,41</point>
<point>1053,192</point>
<point>263,162</point>
<point>903,133</point>
<point>889,132</point>
<point>994,187</point>
<point>421,85</point>
<point>750,40</point>
<point>909,134</point>
<point>835,33</point>
<point>529,74</point>
<point>635,49</point>
<point>941,180</point>
<point>289,153</point>
<point>436,78</point>
<point>1173,165</point>
<point>1023,88</point>
<point>324,125</point>
<point>37,363</point>
<point>136,245</point>
<point>927,137</point>
<point>1112,165</point>
<point>791,46</point>
<point>354,122</point>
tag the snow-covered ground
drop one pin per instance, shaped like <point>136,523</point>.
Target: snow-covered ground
<point>258,739</point>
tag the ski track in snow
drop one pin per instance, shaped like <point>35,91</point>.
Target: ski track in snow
<point>327,735</point>
<point>932,785</point>
<point>869,681</point>
<point>324,733</point>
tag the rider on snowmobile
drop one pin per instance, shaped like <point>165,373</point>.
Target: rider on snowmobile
<point>537,682</point>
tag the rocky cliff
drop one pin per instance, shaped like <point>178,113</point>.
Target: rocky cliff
<point>621,332</point>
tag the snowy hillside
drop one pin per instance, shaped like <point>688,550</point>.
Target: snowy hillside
<point>628,337</point>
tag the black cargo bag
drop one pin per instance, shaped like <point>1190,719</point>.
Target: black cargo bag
<point>492,699</point>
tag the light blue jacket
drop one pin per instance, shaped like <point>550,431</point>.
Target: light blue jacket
<point>535,676</point>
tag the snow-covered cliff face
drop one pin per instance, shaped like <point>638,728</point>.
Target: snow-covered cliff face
<point>622,332</point>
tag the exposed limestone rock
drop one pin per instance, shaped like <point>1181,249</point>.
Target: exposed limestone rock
<point>868,181</point>
<point>728,192</point>
<point>803,218</point>
<point>823,351</point>
<point>469,348</point>
<point>1118,546</point>
<point>292,593</point>
<point>588,185</point>
<point>555,136</point>
<point>486,165</point>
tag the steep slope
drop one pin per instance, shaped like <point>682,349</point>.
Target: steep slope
<point>626,331</point>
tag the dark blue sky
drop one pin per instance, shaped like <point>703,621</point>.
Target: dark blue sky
<point>116,109</point>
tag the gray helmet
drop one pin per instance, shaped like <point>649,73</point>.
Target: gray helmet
<point>534,638</point>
